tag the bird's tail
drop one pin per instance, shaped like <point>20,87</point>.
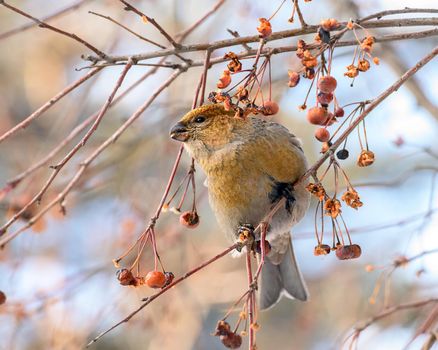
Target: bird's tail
<point>284,278</point>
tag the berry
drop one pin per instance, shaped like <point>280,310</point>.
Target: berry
<point>125,277</point>
<point>342,154</point>
<point>324,98</point>
<point>317,115</point>
<point>346,252</point>
<point>321,249</point>
<point>189,219</point>
<point>231,340</point>
<point>327,84</point>
<point>339,112</point>
<point>265,28</point>
<point>294,79</point>
<point>2,297</point>
<point>155,279</point>
<point>270,108</point>
<point>224,80</point>
<point>322,134</point>
<point>222,328</point>
<point>169,278</point>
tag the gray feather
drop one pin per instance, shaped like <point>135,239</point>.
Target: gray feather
<point>284,278</point>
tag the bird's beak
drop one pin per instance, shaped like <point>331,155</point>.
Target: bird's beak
<point>179,132</point>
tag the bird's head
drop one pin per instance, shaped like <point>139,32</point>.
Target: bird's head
<point>209,128</point>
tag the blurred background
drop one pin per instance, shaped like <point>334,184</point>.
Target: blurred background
<point>58,276</point>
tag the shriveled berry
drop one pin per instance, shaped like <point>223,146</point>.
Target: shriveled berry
<point>270,108</point>
<point>339,112</point>
<point>222,328</point>
<point>322,134</point>
<point>155,279</point>
<point>330,24</point>
<point>189,219</point>
<point>258,247</point>
<point>346,252</point>
<point>324,98</point>
<point>2,298</point>
<point>231,340</point>
<point>125,277</point>
<point>169,278</point>
<point>294,79</point>
<point>265,28</point>
<point>224,80</point>
<point>342,154</point>
<point>327,84</point>
<point>317,115</point>
<point>309,73</point>
<point>321,249</point>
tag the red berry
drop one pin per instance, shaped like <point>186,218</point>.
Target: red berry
<point>2,297</point>
<point>327,84</point>
<point>317,115</point>
<point>322,134</point>
<point>155,279</point>
<point>339,112</point>
<point>270,108</point>
<point>189,219</point>
<point>125,277</point>
<point>231,340</point>
<point>324,98</point>
<point>348,252</point>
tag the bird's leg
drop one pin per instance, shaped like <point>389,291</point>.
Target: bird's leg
<point>245,237</point>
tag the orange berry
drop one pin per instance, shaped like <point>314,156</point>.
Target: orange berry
<point>376,60</point>
<point>317,115</point>
<point>321,249</point>
<point>189,219</point>
<point>294,78</point>
<point>224,80</point>
<point>339,112</point>
<point>155,279</point>
<point>329,24</point>
<point>322,134</point>
<point>324,98</point>
<point>327,84</point>
<point>270,108</point>
<point>125,277</point>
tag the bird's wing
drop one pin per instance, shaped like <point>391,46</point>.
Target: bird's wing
<point>278,153</point>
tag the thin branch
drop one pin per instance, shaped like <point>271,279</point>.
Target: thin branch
<point>42,24</point>
<point>381,14</point>
<point>23,124</point>
<point>148,300</point>
<point>27,26</point>
<point>405,22</point>
<point>127,29</point>
<point>129,7</point>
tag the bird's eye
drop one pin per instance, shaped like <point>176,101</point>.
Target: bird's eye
<point>200,119</point>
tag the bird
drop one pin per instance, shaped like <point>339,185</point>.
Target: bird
<point>251,163</point>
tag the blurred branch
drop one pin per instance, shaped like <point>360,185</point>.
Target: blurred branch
<point>42,24</point>
<point>61,12</point>
<point>381,14</point>
<point>23,124</point>
<point>148,300</point>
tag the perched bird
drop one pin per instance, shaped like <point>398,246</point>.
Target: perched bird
<point>250,164</point>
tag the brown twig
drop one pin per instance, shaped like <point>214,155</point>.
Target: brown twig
<point>148,300</point>
<point>300,14</point>
<point>73,36</point>
<point>23,124</point>
<point>129,7</point>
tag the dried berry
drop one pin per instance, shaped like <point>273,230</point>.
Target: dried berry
<point>325,98</point>
<point>325,147</point>
<point>327,84</point>
<point>317,115</point>
<point>352,71</point>
<point>345,252</point>
<point>332,207</point>
<point>231,340</point>
<point>308,60</point>
<point>350,25</point>
<point>352,199</point>
<point>342,154</point>
<point>321,249</point>
<point>322,134</point>
<point>222,328</point>
<point>155,279</point>
<point>258,248</point>
<point>270,108</point>
<point>294,78</point>
<point>367,44</point>
<point>125,277</point>
<point>265,28</point>
<point>2,298</point>
<point>189,219</point>
<point>339,112</point>
<point>169,278</point>
<point>317,190</point>
<point>224,80</point>
<point>242,93</point>
<point>309,73</point>
<point>363,65</point>
<point>235,65</point>
<point>376,61</point>
<point>330,24</point>
<point>366,158</point>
